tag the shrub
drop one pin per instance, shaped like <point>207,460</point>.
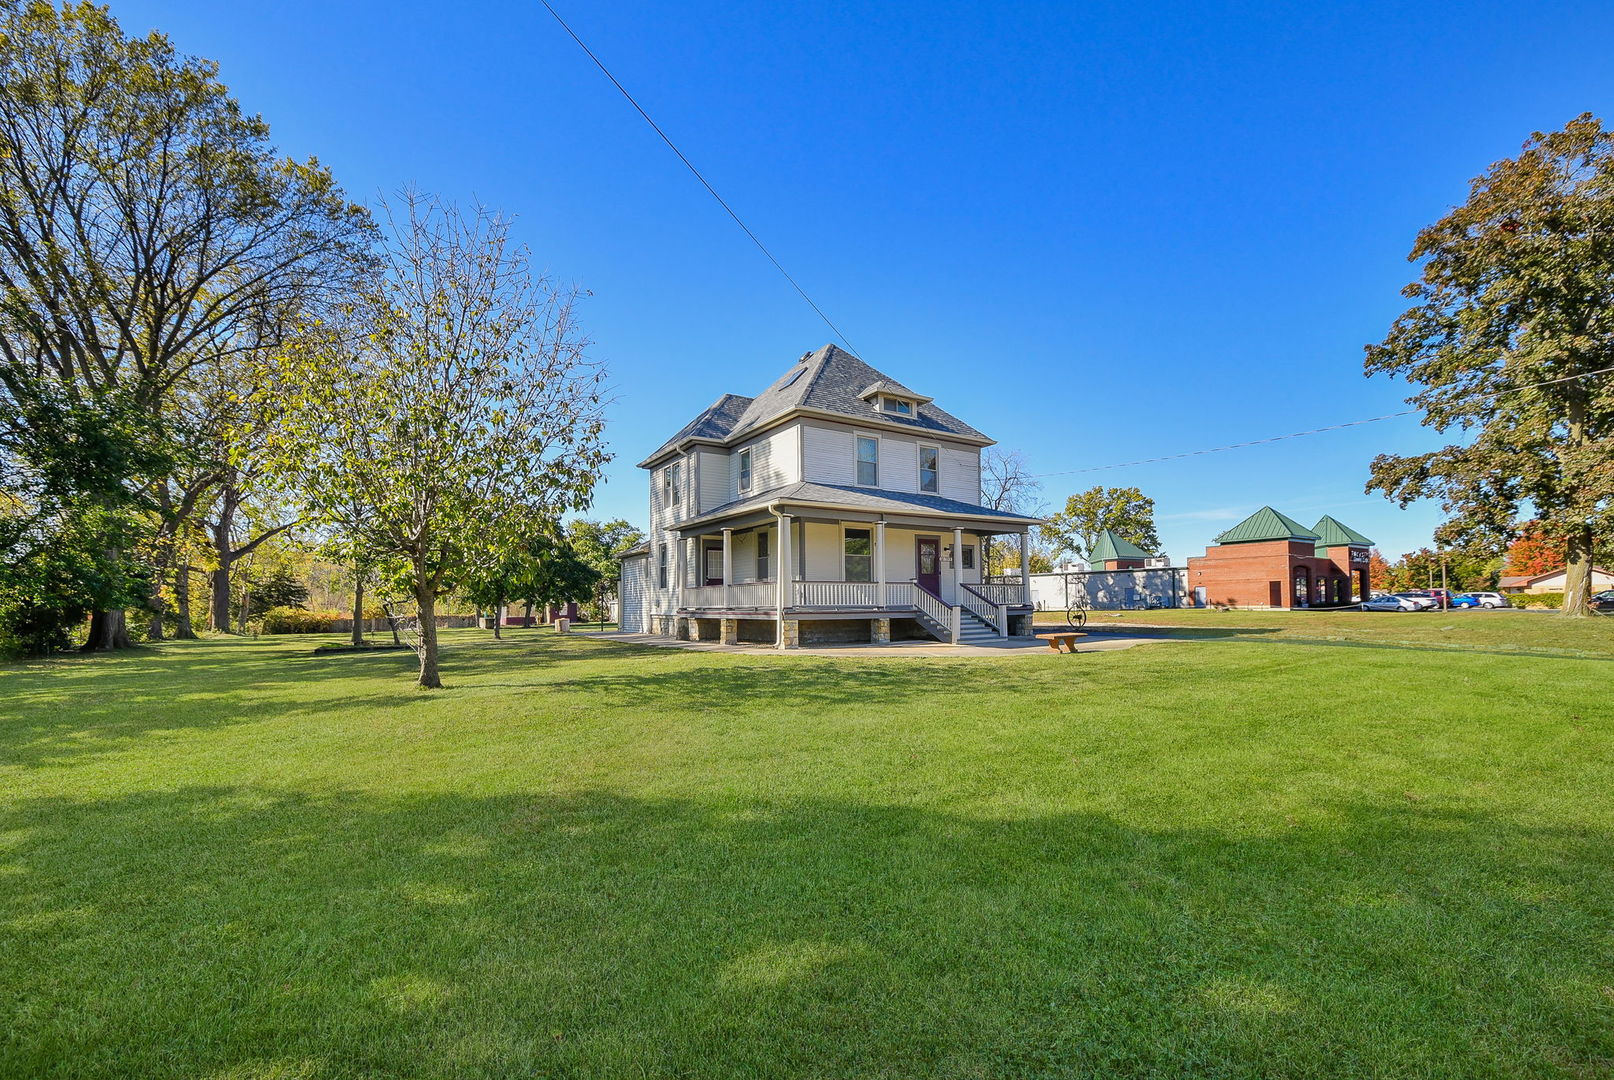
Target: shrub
<point>289,620</point>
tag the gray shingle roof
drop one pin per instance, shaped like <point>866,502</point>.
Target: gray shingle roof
<point>855,498</point>
<point>829,380</point>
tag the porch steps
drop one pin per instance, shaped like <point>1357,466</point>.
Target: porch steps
<point>973,631</point>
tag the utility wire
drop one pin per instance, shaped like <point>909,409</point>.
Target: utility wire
<point>697,174</point>
<point>1313,431</point>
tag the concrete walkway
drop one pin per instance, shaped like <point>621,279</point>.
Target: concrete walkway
<point>1008,647</point>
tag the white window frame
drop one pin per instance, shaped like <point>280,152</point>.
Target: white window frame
<point>765,555</point>
<point>671,480</point>
<point>897,406</point>
<point>857,460</point>
<point>745,468</point>
<point>921,466</point>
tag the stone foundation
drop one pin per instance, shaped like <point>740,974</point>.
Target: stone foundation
<point>792,632</point>
<point>728,632</point>
<point>880,633</point>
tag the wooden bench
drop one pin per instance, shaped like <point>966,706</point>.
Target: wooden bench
<point>1055,641</point>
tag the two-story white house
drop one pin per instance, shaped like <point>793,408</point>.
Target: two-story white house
<point>836,506</point>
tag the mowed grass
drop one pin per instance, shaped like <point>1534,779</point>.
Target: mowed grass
<point>1233,858</point>
<point>1504,630</point>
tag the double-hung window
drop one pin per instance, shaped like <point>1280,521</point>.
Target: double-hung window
<point>745,469</point>
<point>868,461</point>
<point>661,566</point>
<point>929,468</point>
<point>859,555</point>
<point>762,556</point>
<point>670,483</point>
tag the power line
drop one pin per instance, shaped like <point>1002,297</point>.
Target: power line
<point>1313,431</point>
<point>697,174</point>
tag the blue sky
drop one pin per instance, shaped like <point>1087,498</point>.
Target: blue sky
<point>1098,232</point>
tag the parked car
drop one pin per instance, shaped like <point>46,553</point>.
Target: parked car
<point>1480,600</point>
<point>1603,601</point>
<point>1443,598</point>
<point>1398,602</point>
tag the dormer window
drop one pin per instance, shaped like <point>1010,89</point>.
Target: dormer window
<point>896,405</point>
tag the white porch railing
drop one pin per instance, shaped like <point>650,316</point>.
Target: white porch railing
<point>837,594</point>
<point>899,594</point>
<point>750,594</point>
<point>938,612</point>
<point>1010,595</point>
<point>991,614</point>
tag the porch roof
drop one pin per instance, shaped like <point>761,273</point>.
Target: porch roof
<point>859,500</point>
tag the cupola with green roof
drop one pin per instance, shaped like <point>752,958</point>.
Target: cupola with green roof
<point>1333,533</point>
<point>1111,551</point>
<point>1266,524</point>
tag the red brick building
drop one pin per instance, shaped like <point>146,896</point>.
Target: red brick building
<point>1270,560</point>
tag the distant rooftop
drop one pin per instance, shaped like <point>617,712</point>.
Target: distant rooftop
<point>1332,533</point>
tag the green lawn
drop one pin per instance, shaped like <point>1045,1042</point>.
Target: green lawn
<point>1508,629</point>
<point>1249,856</point>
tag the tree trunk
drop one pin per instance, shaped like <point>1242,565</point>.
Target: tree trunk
<point>1578,573</point>
<point>224,555</point>
<point>183,630</point>
<point>108,630</point>
<point>426,604</point>
<point>526,616</point>
<point>358,610</point>
<point>246,604</point>
<point>498,618</point>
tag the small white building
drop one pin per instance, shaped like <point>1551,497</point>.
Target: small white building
<point>836,505</point>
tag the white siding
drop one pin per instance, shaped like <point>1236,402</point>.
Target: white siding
<point>824,552</point>
<point>775,461</point>
<point>632,594</point>
<point>831,458</point>
<point>714,478</point>
<point>828,454</point>
<point>961,473</point>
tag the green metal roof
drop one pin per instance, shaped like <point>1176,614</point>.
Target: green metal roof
<point>1266,524</point>
<point>1111,546</point>
<point>1331,533</point>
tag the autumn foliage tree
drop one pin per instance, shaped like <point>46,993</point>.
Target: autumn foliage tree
<point>453,406</point>
<point>1511,338</point>
<point>1534,552</point>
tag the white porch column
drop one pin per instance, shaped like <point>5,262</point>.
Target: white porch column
<point>682,575</point>
<point>781,578</point>
<point>958,559</point>
<point>879,561</point>
<point>728,565</point>
<point>1025,566</point>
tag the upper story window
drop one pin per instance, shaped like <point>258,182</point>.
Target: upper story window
<point>899,406</point>
<point>868,461</point>
<point>929,468</point>
<point>670,484</point>
<point>745,470</point>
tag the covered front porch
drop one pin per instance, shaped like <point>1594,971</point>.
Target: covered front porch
<point>823,575</point>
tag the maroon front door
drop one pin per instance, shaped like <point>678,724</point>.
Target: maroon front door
<point>927,562</point>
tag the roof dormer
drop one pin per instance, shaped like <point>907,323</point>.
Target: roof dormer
<point>893,399</point>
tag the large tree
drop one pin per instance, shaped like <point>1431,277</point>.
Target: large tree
<point>1075,529</point>
<point>451,406</point>
<point>146,225</point>
<point>1513,323</point>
